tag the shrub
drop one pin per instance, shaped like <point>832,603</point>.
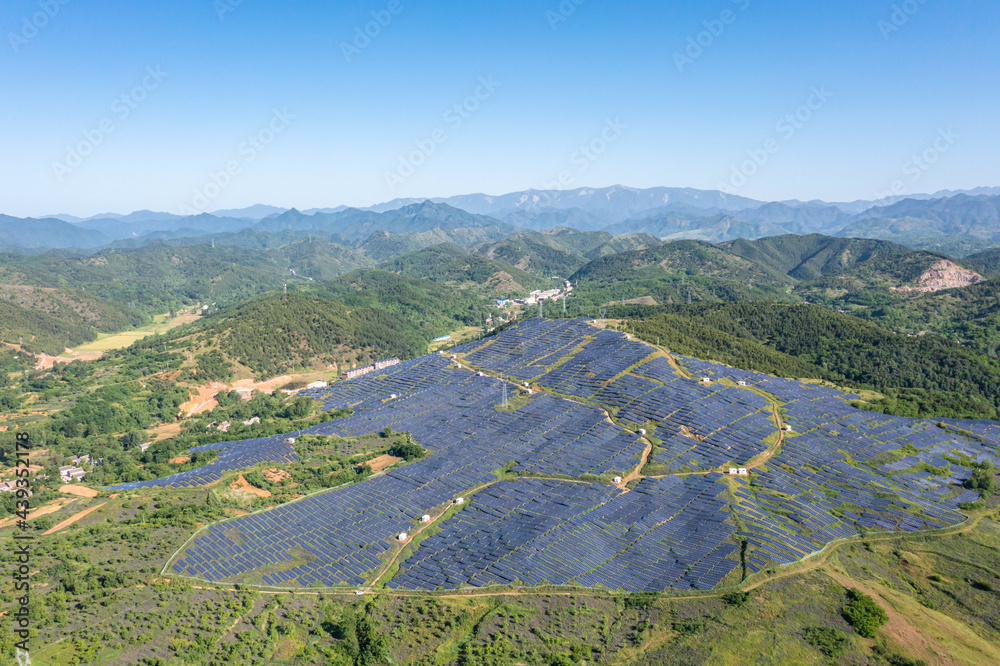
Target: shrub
<point>830,642</point>
<point>408,452</point>
<point>982,480</point>
<point>864,614</point>
<point>736,599</point>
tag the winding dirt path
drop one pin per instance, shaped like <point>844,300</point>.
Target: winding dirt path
<point>72,519</point>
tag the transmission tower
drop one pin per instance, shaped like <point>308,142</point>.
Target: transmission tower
<point>689,294</point>
<point>504,381</point>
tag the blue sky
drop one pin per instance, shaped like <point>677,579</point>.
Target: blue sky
<point>232,103</point>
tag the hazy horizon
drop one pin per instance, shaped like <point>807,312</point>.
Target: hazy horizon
<point>315,105</point>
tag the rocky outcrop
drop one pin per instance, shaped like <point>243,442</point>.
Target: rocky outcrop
<point>944,275</point>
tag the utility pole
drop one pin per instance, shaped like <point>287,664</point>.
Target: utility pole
<point>286,289</point>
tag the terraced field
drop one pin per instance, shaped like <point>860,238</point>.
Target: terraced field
<point>540,506</point>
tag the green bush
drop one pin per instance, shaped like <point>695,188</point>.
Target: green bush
<point>736,599</point>
<point>982,480</point>
<point>830,642</point>
<point>864,614</point>
<point>408,452</point>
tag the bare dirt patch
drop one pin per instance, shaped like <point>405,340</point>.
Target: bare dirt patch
<point>204,400</point>
<point>944,275</point>
<point>383,462</point>
<point>244,485</point>
<point>32,469</point>
<point>276,475</point>
<point>72,519</point>
<point>180,460</point>
<point>165,431</point>
<point>51,507</point>
<point>686,432</point>
<point>79,491</point>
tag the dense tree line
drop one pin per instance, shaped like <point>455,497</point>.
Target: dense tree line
<point>808,341</point>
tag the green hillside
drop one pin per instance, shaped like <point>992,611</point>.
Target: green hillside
<point>38,332</point>
<point>924,376</point>
<point>450,264</point>
<point>362,316</point>
<point>813,256</point>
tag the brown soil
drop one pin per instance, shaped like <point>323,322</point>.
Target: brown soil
<point>79,491</point>
<point>72,519</point>
<point>204,400</point>
<point>244,485</point>
<point>276,475</point>
<point>944,275</point>
<point>180,460</point>
<point>686,431</point>
<point>51,507</point>
<point>45,362</point>
<point>382,462</point>
<point>165,431</point>
<point>32,469</point>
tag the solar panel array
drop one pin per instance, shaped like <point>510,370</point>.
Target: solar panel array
<point>669,533</point>
<point>232,456</point>
<point>842,470</point>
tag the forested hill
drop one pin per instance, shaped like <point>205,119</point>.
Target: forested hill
<point>450,264</point>
<point>360,317</point>
<point>926,375</point>
<point>812,256</point>
<point>49,320</point>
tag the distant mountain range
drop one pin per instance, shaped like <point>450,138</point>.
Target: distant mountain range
<point>957,223</point>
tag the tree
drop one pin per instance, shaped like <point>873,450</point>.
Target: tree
<point>864,613</point>
<point>132,439</point>
<point>982,480</point>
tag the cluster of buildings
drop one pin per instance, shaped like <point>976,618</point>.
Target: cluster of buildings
<point>70,473</point>
<point>539,296</point>
<point>364,370</point>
